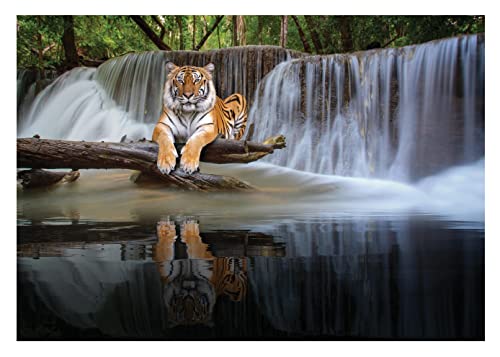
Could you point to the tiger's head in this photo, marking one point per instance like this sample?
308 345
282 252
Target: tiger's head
189 88
189 296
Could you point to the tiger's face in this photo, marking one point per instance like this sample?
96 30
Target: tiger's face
189 88
189 296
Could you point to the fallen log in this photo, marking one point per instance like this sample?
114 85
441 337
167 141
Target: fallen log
40 178
39 153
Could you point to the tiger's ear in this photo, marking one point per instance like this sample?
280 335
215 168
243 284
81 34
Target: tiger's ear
170 67
209 68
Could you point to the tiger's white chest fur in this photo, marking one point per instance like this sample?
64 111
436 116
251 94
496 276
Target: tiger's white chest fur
185 124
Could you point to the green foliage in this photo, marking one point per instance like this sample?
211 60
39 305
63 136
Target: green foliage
102 37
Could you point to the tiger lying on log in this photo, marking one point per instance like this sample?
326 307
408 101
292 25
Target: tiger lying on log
194 114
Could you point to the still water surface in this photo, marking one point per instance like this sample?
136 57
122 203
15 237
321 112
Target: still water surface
309 257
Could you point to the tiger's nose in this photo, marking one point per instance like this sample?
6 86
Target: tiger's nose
188 95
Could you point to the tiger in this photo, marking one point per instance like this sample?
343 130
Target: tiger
193 114
191 286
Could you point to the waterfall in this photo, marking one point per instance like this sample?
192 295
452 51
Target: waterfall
399 113
402 113
124 95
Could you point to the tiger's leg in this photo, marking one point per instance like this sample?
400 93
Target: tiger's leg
237 104
190 159
167 153
190 234
163 251
164 248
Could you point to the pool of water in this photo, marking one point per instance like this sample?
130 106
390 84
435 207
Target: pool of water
307 257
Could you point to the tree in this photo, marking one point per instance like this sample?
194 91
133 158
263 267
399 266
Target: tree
302 35
284 30
242 35
311 26
181 32
235 30
44 42
345 33
68 40
194 32
150 33
209 32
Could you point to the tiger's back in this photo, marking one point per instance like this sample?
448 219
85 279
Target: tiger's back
230 116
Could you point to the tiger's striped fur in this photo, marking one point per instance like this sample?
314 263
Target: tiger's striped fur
195 115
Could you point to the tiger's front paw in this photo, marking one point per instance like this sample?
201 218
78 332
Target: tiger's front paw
165 231
190 228
167 159
190 159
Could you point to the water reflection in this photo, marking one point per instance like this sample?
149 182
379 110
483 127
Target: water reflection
360 278
191 286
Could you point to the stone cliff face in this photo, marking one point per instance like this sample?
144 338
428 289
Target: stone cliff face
393 113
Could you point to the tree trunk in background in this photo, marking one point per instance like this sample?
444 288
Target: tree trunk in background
205 23
284 31
242 31
260 25
302 35
218 37
181 32
346 33
68 40
40 49
311 27
194 32
160 24
150 33
235 30
209 32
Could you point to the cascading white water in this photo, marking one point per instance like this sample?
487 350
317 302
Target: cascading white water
397 113
75 107
124 95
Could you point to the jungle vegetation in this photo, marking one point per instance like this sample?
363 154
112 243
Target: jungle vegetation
59 43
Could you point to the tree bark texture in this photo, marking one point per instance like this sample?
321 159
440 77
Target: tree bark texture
235 30
302 35
311 26
284 31
68 40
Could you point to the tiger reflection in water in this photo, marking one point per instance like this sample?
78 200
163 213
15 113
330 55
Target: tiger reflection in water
191 286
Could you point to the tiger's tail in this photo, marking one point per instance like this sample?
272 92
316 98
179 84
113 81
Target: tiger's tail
236 104
240 122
